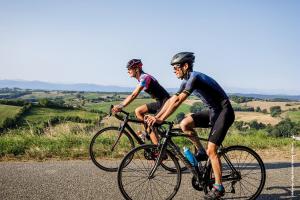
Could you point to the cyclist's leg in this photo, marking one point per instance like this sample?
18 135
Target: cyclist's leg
200 119
140 113
215 161
187 125
154 108
218 132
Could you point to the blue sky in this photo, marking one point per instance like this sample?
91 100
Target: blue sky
244 45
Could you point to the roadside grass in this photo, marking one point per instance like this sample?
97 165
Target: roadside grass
71 141
257 140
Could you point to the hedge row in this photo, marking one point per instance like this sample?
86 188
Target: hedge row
39 128
11 122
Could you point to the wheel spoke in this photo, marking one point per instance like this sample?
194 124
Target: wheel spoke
100 148
249 166
135 182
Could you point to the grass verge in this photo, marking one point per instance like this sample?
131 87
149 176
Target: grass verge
70 141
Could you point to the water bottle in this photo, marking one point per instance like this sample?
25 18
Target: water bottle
190 156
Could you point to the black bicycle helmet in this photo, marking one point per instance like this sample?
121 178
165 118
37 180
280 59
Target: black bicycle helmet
134 63
183 57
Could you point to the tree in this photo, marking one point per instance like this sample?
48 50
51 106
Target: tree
179 117
44 102
265 111
285 128
257 109
239 125
275 111
197 107
255 125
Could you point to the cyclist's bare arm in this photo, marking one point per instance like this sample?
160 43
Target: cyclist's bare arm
164 108
128 99
174 102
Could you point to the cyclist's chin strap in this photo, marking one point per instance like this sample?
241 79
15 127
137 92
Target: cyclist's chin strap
186 74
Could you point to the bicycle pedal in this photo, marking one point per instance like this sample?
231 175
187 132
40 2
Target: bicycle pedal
232 190
196 185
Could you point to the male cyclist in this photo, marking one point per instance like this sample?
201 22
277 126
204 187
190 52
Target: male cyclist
151 86
219 117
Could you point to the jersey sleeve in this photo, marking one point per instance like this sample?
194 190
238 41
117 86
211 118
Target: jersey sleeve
182 86
145 81
188 86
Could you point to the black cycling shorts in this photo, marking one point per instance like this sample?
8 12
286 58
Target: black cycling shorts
155 107
218 121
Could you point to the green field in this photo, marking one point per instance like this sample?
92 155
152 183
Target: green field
43 133
37 114
133 105
104 106
39 95
7 111
294 115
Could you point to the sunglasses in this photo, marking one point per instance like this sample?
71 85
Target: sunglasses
176 67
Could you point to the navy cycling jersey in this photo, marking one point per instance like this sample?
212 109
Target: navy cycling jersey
152 87
204 87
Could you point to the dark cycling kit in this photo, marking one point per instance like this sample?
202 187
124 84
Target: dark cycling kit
157 92
220 115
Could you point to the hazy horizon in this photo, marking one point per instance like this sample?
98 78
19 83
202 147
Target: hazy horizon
227 89
241 44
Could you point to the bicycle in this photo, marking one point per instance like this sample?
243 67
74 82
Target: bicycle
110 144
243 171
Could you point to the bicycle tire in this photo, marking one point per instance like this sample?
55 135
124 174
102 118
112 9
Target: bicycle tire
136 166
234 189
172 168
181 164
100 152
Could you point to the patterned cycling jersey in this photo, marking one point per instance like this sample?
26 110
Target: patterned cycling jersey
204 87
152 87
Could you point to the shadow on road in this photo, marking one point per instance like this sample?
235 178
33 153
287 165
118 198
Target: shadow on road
281 193
279 165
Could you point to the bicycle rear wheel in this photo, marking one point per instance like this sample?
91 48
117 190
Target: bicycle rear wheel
243 173
101 152
133 175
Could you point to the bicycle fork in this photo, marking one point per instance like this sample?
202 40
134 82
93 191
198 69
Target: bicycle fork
162 150
121 129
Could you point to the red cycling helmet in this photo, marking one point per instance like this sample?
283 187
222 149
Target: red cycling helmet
134 63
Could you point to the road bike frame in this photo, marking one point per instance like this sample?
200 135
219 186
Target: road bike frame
124 125
202 177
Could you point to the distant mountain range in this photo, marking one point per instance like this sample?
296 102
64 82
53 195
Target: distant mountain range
110 88
35 85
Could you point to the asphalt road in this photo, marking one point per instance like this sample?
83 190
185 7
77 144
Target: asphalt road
83 180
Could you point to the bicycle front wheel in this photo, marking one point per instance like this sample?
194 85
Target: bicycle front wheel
107 149
243 173
133 175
